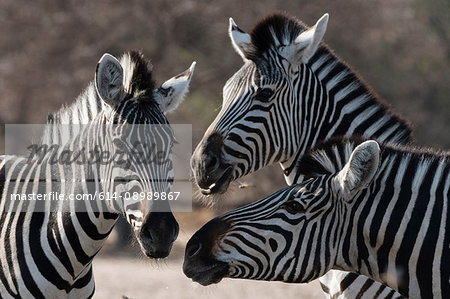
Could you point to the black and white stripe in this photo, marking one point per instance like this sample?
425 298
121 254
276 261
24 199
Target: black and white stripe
47 247
382 213
282 102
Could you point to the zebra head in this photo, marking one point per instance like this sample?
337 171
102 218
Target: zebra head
137 129
291 236
259 122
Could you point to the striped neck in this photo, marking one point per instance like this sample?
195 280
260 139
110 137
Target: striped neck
333 101
394 231
86 223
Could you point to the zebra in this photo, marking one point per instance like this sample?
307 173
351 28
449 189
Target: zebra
47 247
378 210
65 123
291 93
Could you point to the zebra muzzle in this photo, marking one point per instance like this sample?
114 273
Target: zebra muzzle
219 185
199 262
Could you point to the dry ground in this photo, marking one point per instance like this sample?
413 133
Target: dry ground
136 278
128 273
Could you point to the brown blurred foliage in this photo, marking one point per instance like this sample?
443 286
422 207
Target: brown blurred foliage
49 50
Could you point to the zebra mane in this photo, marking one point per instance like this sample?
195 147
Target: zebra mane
81 111
137 75
272 31
329 157
138 82
279 28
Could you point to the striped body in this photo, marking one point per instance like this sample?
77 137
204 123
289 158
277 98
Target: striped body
381 214
48 246
281 103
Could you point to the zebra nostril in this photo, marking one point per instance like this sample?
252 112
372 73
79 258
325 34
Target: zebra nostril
147 234
211 162
194 250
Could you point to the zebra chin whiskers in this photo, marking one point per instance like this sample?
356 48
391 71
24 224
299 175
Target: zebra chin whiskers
208 201
215 200
150 263
154 263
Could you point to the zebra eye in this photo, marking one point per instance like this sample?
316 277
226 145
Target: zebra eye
264 95
293 207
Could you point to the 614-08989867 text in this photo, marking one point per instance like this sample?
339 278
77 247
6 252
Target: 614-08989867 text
173 195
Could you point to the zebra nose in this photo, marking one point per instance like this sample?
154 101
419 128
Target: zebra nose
146 233
158 234
207 154
161 226
155 245
200 246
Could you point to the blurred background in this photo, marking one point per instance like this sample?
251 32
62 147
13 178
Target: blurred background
49 51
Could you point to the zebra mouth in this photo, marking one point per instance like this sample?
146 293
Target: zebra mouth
210 274
221 184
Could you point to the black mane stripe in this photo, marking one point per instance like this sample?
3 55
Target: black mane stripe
142 74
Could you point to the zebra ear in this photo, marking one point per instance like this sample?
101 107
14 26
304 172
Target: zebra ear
240 40
360 170
306 44
109 79
172 92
